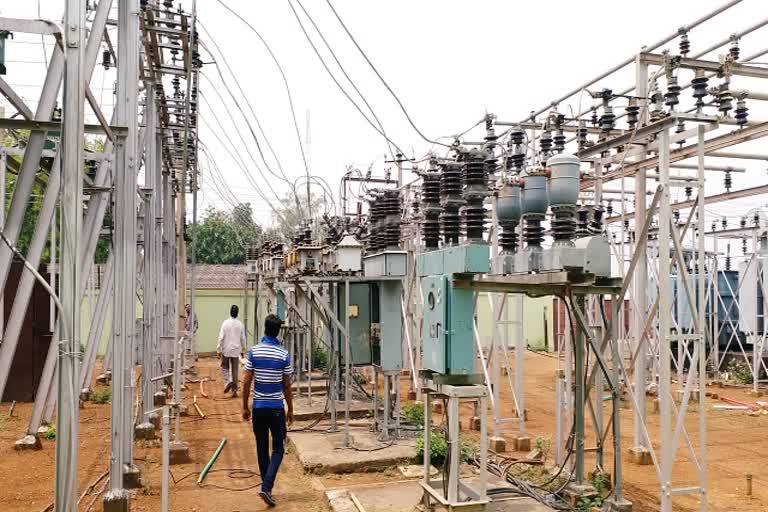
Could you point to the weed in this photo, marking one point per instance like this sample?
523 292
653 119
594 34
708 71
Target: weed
739 371
100 395
544 445
414 413
587 503
50 432
438 448
601 482
319 358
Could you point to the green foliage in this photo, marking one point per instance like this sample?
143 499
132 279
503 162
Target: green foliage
438 448
544 445
50 432
223 236
739 371
587 503
414 413
360 379
601 481
319 358
100 395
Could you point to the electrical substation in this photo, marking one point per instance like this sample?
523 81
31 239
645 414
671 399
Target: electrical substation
409 307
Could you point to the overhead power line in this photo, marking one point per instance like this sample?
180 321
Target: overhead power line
285 81
335 80
400 103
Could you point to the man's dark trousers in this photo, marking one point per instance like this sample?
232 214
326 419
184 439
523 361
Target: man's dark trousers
268 421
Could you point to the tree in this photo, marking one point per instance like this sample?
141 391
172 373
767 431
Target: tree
290 217
222 236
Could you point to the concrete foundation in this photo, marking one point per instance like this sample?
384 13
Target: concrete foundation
115 501
655 406
574 492
615 505
640 455
159 399
303 411
437 407
693 397
756 394
154 419
179 453
411 395
28 442
104 378
85 393
406 496
474 423
132 477
497 444
145 431
323 453
520 443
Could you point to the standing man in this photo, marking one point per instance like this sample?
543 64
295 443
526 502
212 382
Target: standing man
231 346
268 366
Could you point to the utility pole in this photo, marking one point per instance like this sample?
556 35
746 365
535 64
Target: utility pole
72 218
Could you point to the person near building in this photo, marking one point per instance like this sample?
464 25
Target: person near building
230 348
268 368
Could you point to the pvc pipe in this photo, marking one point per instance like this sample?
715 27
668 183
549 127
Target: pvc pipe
211 462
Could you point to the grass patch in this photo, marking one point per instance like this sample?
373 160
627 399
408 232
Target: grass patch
100 395
414 413
439 448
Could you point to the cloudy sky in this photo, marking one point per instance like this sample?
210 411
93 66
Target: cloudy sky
450 62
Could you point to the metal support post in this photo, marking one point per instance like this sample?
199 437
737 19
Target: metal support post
72 218
520 347
579 396
347 365
665 305
701 327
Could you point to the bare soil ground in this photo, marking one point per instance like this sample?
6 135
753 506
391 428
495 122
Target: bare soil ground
737 444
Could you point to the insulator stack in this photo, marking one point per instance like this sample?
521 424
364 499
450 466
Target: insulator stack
724 222
430 196
451 201
508 212
680 129
491 162
596 224
676 216
545 143
517 156
581 135
559 140
724 101
743 222
699 85
734 50
608 119
672 97
582 221
533 231
594 119
391 209
756 219
727 181
684 45
688 191
728 257
563 223
374 240
609 207
632 111
475 192
741 113
744 246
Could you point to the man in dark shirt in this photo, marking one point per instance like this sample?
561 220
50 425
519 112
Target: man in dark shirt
268 367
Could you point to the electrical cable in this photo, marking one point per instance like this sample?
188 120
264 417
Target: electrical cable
240 135
285 81
344 72
407 116
335 80
258 123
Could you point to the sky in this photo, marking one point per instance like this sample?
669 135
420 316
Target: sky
450 62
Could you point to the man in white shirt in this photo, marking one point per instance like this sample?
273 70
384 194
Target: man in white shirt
230 348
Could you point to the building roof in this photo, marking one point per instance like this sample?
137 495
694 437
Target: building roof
217 277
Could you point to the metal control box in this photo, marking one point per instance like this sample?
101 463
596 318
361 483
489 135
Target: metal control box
387 263
448 327
359 323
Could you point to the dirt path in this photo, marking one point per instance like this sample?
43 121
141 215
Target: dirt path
27 478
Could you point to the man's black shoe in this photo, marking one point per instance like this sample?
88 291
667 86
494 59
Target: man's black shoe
268 499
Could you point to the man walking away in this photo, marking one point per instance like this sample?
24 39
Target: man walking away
268 366
231 346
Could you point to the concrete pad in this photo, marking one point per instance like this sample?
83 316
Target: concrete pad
474 423
132 477
179 452
145 431
115 502
340 500
497 444
321 452
28 442
754 393
405 496
302 411
416 471
411 395
640 455
104 378
159 399
521 443
318 386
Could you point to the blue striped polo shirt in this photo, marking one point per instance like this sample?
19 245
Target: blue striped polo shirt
269 362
